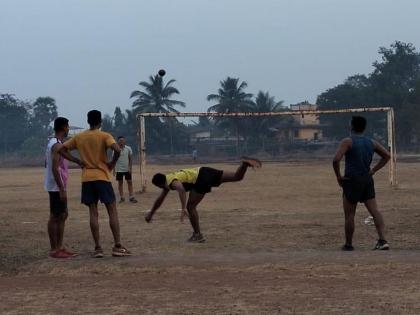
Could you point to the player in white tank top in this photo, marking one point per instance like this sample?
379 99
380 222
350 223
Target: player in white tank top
55 183
50 183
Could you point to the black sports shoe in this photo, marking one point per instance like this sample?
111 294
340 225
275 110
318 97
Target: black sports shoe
347 248
381 245
196 238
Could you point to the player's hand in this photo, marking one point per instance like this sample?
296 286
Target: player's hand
63 195
184 213
148 216
110 165
81 164
341 179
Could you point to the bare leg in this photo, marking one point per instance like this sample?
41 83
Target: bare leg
60 229
372 207
193 200
113 222
121 188
235 176
349 213
240 172
94 223
52 231
130 188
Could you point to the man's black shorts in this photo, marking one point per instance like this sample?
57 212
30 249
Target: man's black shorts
207 178
359 189
97 190
57 206
120 176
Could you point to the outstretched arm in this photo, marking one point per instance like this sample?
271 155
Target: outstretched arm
383 153
344 146
182 197
156 205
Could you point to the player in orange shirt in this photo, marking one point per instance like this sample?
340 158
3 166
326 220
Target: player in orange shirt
92 145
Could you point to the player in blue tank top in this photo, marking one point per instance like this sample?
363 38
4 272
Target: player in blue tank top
357 182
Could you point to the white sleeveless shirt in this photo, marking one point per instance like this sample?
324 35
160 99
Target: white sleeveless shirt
49 182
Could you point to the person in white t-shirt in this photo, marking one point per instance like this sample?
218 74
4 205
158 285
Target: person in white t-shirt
124 168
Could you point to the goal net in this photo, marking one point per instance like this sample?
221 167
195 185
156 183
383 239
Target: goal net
293 135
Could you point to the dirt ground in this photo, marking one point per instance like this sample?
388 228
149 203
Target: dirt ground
272 247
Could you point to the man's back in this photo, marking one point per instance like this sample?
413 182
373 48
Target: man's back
92 146
359 157
185 176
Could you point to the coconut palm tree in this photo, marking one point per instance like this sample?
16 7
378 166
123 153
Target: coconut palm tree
264 103
157 98
232 98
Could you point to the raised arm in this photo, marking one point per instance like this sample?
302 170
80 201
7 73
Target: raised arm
156 205
343 147
383 153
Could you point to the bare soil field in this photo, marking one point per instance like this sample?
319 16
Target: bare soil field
273 247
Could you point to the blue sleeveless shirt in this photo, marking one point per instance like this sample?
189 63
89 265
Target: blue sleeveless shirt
359 157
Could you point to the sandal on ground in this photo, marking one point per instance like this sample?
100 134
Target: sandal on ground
59 254
69 252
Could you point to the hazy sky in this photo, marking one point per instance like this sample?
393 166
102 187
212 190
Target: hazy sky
92 53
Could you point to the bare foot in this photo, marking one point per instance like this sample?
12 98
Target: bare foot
252 162
148 216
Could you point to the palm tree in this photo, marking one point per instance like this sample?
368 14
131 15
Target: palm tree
156 98
264 103
231 98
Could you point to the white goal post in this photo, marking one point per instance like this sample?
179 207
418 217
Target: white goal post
388 110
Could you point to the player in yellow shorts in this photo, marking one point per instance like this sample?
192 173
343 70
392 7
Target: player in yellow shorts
198 182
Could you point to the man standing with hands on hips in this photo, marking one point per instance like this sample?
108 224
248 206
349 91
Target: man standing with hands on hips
93 145
124 169
357 182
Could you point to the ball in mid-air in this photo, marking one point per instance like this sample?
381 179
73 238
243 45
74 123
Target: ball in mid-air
161 72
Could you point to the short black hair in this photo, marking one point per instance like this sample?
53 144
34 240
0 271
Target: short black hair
94 117
121 137
60 123
159 179
358 123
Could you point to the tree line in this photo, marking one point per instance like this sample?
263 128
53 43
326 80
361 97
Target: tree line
25 125
394 81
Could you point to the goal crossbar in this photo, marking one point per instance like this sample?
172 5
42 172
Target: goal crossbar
390 129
